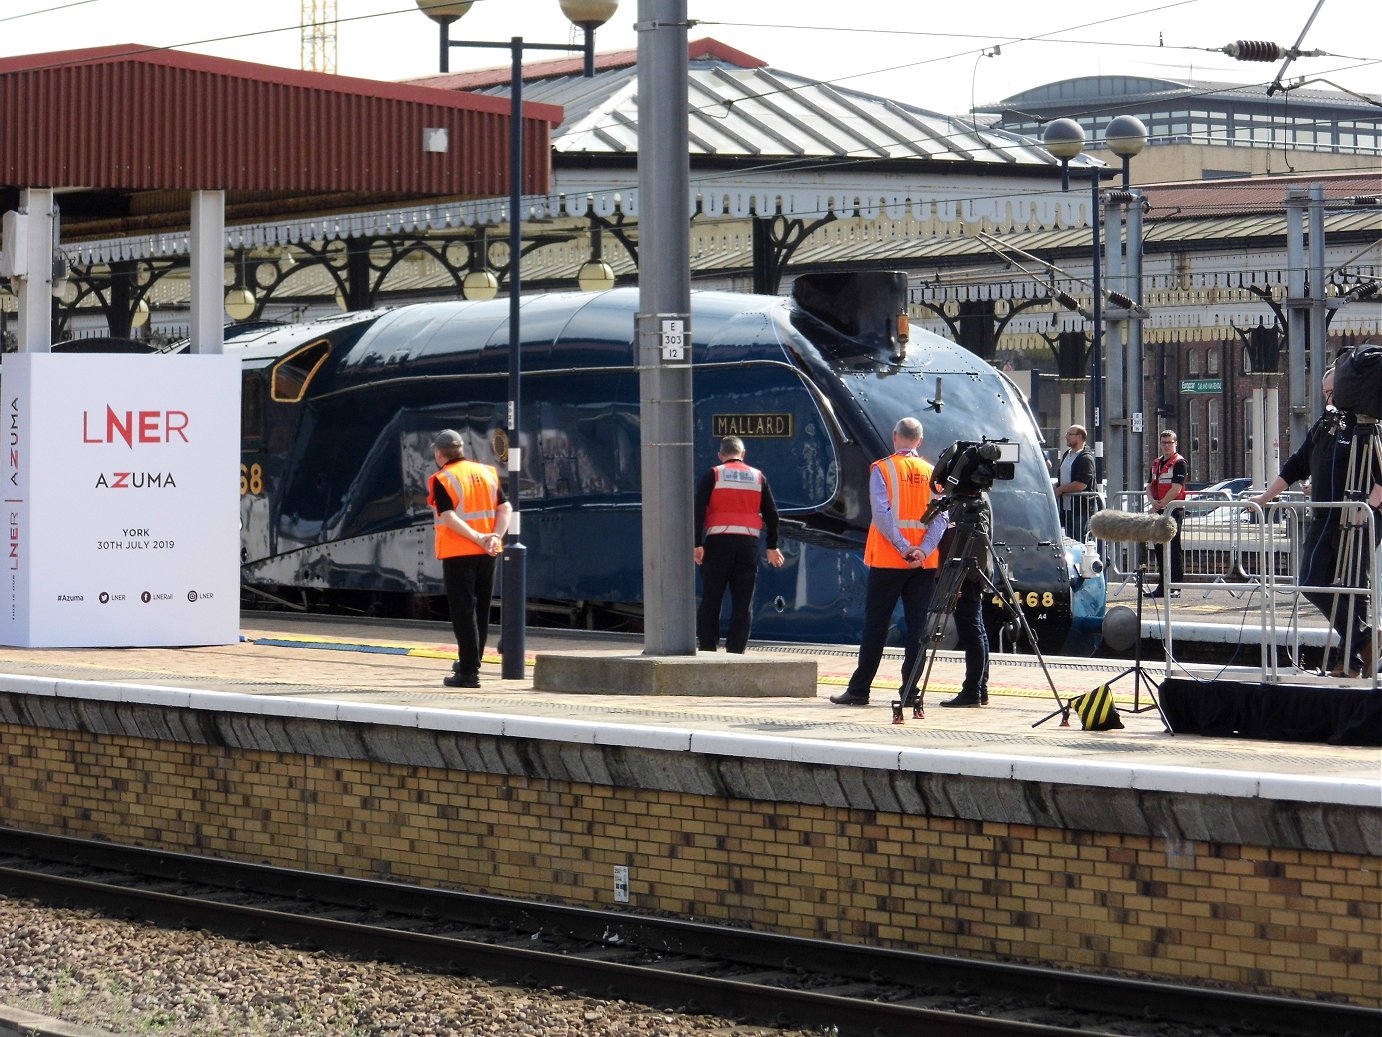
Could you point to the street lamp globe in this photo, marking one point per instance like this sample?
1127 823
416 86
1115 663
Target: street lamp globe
240 304
588 14
595 275
1063 138
479 285
443 12
140 315
1126 136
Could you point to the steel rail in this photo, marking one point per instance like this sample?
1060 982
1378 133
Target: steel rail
906 970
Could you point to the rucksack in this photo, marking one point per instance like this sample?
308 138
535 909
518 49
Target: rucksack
1358 381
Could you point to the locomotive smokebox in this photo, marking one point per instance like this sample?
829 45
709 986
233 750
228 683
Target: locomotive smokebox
861 314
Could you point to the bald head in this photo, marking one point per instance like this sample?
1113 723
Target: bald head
907 433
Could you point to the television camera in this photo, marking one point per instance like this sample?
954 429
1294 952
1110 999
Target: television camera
967 469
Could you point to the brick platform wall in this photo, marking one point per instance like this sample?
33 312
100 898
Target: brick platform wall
1292 921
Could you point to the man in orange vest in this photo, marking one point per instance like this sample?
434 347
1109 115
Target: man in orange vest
472 518
901 557
1166 483
733 505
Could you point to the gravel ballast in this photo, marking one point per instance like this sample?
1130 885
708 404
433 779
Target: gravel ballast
131 978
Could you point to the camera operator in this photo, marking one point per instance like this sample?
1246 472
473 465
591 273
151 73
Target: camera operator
965 471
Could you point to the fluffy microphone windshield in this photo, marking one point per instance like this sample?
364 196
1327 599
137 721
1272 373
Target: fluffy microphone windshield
1133 526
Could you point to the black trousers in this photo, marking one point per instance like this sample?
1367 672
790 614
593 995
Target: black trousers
1177 556
730 563
973 638
885 587
1323 565
469 582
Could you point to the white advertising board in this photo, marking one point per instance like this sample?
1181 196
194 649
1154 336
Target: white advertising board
121 502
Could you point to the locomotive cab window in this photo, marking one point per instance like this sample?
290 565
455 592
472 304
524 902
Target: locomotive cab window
252 408
293 374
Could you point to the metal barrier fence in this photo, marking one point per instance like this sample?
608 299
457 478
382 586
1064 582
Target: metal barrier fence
1076 509
1236 548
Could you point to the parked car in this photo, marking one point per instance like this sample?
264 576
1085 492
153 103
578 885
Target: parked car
1224 489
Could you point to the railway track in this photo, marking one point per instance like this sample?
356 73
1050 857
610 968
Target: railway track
688 966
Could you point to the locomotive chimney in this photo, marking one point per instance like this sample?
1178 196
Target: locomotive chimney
862 312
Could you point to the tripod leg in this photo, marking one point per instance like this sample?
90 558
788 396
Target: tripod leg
943 597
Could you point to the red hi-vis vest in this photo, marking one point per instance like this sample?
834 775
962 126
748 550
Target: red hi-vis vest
1162 470
908 479
475 489
735 500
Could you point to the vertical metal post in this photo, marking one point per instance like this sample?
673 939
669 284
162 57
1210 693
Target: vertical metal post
444 61
1319 329
1137 429
1096 388
1300 385
664 381
1118 460
208 257
35 288
515 582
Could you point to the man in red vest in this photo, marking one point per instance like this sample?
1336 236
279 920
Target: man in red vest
733 505
472 518
901 559
1166 483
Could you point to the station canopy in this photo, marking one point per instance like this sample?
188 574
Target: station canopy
124 134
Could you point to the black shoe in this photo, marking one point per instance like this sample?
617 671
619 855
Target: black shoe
964 699
1154 593
848 698
462 680
983 698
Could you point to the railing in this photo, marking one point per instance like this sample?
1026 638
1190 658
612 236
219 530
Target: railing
1076 509
1234 547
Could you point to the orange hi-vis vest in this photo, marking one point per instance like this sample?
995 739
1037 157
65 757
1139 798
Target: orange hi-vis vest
1162 470
908 479
735 501
475 489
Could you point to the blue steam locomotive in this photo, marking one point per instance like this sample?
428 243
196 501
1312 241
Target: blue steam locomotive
338 416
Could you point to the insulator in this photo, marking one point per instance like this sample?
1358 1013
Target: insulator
1119 197
1362 290
1067 300
1254 50
1121 300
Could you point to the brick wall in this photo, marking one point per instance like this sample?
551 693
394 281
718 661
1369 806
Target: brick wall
1293 921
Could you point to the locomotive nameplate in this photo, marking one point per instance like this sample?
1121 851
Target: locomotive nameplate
752 426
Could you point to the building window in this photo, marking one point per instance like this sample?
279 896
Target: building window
1211 361
1192 362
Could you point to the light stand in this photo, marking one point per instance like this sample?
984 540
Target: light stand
589 15
1134 671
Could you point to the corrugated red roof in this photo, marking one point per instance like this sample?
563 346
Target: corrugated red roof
133 118
1252 194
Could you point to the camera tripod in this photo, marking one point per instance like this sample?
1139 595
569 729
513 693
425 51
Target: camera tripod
971 542
1134 671
1353 559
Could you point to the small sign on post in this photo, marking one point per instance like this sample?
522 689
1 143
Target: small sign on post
673 340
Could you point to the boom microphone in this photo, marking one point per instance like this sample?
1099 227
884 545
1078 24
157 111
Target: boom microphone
1132 526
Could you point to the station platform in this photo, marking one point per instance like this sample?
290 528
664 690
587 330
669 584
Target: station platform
331 745
287 658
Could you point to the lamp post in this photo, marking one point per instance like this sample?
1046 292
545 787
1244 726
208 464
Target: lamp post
1126 137
588 15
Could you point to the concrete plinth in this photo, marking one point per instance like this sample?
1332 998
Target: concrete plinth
607 673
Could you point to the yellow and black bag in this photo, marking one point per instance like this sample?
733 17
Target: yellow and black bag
1096 710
